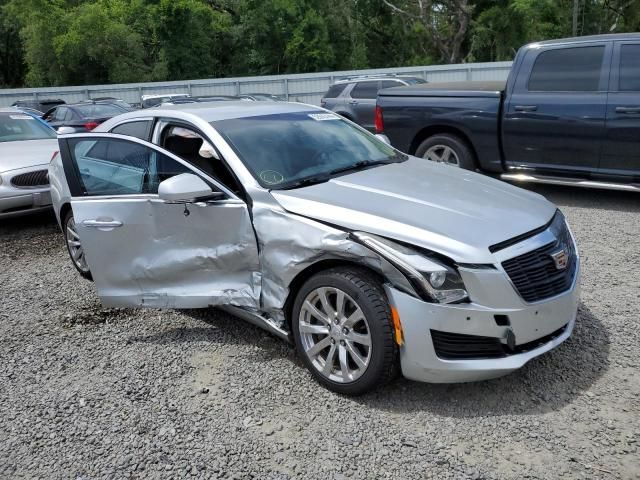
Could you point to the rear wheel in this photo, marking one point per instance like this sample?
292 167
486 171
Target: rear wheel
74 247
343 331
448 149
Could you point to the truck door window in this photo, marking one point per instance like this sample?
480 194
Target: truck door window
630 68
567 70
365 90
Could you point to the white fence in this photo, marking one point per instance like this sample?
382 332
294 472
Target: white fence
305 87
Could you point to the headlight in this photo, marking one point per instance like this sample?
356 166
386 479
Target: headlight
433 280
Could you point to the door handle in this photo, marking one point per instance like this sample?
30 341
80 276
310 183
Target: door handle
525 108
102 223
353 102
627 109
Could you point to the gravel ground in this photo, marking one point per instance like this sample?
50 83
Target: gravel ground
92 393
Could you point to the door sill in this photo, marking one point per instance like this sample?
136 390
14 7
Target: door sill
570 182
258 320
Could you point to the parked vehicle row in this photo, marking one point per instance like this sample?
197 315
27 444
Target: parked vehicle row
26 147
355 97
300 222
568 114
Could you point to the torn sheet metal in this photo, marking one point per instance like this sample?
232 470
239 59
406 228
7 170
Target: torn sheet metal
289 243
160 257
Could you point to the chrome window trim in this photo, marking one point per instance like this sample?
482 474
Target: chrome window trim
115 136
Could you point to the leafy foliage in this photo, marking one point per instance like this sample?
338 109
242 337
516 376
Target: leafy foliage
76 42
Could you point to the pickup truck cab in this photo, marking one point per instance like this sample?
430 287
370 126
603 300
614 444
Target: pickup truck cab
569 113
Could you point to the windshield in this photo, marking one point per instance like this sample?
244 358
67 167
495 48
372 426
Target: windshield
19 126
291 149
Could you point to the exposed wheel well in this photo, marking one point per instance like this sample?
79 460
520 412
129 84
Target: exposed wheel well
437 130
307 273
63 211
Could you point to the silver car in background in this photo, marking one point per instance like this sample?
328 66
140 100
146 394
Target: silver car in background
298 221
26 148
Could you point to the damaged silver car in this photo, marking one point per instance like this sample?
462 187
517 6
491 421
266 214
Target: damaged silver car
297 220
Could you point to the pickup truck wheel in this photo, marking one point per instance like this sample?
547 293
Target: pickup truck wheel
343 331
448 149
74 247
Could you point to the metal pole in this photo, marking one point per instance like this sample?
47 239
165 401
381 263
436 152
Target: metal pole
286 88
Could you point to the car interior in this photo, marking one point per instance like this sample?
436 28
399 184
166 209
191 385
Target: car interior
190 146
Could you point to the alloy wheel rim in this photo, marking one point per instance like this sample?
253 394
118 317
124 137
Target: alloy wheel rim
335 335
75 247
442 154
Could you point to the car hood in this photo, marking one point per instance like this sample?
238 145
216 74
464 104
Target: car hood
447 210
26 153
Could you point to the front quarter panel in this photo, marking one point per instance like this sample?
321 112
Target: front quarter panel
60 193
290 243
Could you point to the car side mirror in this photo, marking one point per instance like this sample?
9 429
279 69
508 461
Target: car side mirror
186 188
65 130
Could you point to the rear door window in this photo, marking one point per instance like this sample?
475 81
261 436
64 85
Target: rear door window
630 68
138 129
574 69
391 83
335 90
365 90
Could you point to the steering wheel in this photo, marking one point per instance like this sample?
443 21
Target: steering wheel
328 153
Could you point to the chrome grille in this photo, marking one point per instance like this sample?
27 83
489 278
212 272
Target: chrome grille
38 178
535 275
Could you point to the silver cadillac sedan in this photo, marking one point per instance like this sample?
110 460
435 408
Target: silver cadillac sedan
370 261
26 147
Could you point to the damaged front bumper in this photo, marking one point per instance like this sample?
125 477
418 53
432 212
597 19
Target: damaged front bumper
472 341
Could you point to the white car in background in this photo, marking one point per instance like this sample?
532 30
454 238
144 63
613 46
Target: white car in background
27 146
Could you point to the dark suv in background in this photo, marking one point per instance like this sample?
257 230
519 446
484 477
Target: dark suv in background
355 97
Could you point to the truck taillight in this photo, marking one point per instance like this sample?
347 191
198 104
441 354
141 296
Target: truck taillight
90 125
379 121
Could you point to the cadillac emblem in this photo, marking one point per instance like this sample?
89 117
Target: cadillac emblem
560 259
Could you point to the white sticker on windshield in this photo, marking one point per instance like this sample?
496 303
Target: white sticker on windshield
323 116
21 117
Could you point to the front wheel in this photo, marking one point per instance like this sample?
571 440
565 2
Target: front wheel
74 247
343 330
448 149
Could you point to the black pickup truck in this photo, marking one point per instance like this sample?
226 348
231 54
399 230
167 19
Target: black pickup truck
569 113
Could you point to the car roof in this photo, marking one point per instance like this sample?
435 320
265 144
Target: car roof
215 111
587 38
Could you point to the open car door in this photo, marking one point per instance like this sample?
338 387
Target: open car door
149 252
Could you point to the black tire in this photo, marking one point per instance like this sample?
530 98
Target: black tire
366 290
68 218
465 156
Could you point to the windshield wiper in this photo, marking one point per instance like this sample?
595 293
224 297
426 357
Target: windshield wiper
305 182
358 165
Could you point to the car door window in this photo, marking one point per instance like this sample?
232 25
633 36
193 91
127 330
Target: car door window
187 144
390 83
575 69
59 114
68 116
365 90
137 129
630 68
118 167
